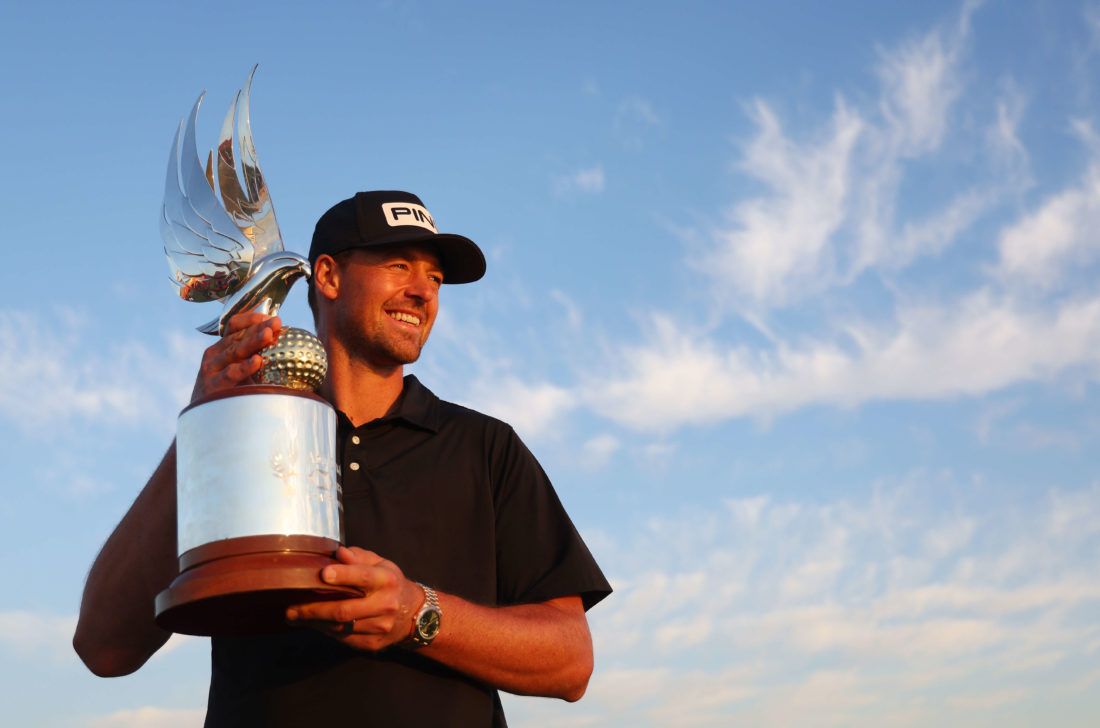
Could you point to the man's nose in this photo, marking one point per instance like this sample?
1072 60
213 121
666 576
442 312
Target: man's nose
422 286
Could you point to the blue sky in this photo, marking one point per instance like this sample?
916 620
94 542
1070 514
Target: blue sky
797 306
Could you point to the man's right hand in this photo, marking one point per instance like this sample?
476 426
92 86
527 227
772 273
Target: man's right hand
235 358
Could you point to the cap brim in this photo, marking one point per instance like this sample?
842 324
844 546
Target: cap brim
463 261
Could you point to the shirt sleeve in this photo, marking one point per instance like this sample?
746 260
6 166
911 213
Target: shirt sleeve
540 555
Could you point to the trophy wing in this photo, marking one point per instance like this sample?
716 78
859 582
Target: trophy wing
243 189
208 254
216 229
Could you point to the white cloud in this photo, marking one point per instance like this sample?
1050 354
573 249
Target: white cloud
1090 13
973 346
830 696
589 180
989 420
833 207
1003 137
1033 437
1057 237
777 246
573 315
919 88
36 635
598 450
175 642
935 233
634 118
531 408
987 700
53 374
640 109
150 717
950 538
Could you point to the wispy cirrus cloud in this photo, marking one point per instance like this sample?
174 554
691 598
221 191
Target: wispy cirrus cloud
855 611
598 450
920 85
970 347
777 247
1059 235
54 374
634 118
531 408
588 180
37 635
832 208
149 717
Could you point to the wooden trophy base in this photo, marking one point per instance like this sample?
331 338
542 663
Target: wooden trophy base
244 585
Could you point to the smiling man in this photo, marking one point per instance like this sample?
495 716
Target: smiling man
474 578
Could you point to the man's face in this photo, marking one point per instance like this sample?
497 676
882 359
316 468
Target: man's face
387 303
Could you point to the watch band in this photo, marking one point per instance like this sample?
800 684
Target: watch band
430 597
427 622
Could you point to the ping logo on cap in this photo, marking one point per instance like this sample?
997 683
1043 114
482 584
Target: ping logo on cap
407 213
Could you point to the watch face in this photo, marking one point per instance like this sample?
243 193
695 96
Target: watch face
428 626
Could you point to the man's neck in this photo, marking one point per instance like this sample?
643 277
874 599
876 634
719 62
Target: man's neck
360 391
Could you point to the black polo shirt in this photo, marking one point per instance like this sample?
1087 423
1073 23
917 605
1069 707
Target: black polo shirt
456 500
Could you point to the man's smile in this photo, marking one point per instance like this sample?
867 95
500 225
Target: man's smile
404 317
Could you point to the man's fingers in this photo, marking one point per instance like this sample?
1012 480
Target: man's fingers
361 611
367 578
234 358
379 588
381 617
241 321
239 345
238 372
356 555
347 628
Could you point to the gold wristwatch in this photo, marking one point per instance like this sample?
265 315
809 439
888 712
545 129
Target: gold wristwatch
427 622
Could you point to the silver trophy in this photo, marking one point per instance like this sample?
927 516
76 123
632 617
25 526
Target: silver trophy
258 502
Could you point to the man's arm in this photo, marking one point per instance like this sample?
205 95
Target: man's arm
115 633
531 649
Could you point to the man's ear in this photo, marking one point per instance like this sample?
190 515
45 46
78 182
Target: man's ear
326 277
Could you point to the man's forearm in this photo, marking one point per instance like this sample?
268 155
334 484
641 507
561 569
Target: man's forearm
115 633
530 649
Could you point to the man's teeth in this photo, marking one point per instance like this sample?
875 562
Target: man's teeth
406 317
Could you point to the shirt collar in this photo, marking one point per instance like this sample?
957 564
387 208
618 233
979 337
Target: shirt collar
416 406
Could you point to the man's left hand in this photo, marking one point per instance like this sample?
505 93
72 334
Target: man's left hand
381 617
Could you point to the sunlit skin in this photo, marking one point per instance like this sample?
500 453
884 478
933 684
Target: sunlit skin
385 302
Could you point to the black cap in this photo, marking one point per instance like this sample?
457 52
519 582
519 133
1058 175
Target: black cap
390 217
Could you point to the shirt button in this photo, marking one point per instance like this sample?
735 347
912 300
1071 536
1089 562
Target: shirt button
355 439
353 466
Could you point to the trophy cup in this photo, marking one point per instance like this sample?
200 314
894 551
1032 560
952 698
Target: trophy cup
258 503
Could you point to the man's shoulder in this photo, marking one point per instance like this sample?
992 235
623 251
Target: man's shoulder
450 413
459 411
